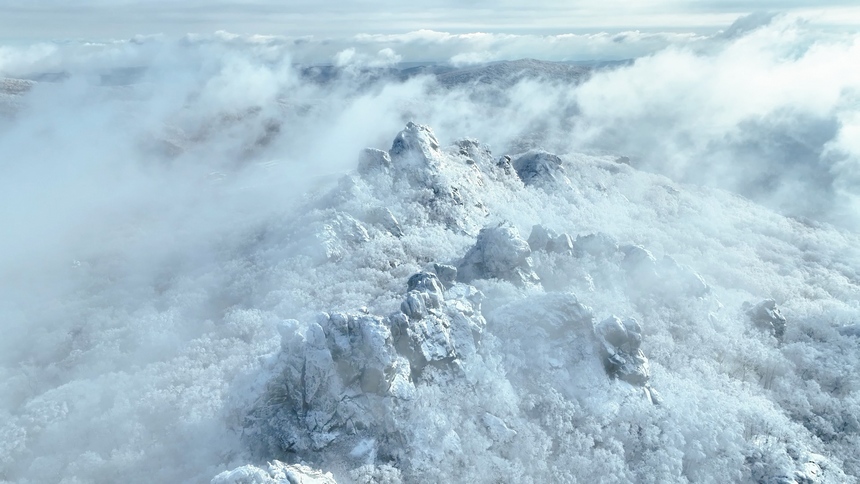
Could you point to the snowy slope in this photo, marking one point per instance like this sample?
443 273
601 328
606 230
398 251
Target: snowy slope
533 399
204 276
526 394
533 402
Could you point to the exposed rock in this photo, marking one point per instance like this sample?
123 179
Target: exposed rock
506 165
667 278
496 427
447 274
767 316
620 342
428 283
333 373
541 237
562 244
348 372
499 253
277 473
475 152
596 245
430 329
373 161
331 239
447 190
415 154
539 168
383 217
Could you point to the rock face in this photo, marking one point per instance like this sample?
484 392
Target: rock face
385 398
475 152
277 473
384 218
561 345
666 278
595 245
416 155
766 315
330 239
498 253
432 330
346 373
542 238
620 341
540 168
446 185
496 427
372 161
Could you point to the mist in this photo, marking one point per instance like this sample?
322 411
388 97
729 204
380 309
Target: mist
155 194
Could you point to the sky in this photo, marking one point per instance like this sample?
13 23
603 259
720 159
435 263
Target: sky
41 20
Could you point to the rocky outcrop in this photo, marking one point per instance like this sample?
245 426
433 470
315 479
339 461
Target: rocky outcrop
766 315
620 346
447 274
415 155
597 245
276 472
323 364
384 218
540 168
332 238
430 329
372 161
475 153
446 189
667 278
497 428
348 372
499 253
542 238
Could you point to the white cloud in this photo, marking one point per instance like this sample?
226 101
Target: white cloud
142 220
709 114
334 18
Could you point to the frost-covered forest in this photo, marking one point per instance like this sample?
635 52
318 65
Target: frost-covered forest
220 263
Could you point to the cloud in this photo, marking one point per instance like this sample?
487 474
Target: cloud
756 114
421 45
38 21
136 192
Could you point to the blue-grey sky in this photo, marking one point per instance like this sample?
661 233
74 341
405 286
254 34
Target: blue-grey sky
34 20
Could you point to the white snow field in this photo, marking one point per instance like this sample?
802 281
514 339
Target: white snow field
206 276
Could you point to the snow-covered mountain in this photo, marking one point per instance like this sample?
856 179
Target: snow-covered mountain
446 313
226 271
520 326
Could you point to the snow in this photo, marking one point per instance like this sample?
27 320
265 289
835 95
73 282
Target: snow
272 305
